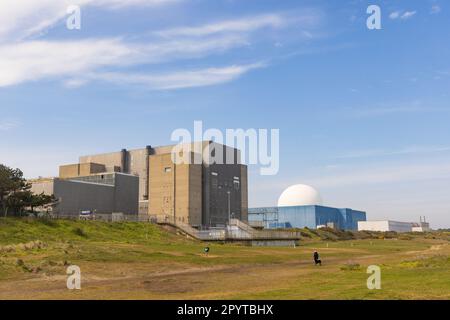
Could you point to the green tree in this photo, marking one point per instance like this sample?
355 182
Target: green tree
16 195
40 200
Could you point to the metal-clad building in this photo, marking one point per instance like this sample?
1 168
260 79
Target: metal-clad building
101 193
311 216
385 226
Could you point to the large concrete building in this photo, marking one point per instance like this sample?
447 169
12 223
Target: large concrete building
208 190
104 193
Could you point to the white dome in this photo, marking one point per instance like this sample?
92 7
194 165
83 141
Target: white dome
299 195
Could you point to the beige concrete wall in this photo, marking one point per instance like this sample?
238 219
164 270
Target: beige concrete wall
87 169
108 159
45 186
175 190
195 195
69 171
162 190
137 164
80 170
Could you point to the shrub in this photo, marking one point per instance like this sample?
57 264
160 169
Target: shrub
80 232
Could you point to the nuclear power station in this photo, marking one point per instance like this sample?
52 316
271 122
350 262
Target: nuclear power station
198 193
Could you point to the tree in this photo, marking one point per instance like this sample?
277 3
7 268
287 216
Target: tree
16 195
40 200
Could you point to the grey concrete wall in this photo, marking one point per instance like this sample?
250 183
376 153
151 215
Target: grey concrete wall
215 187
75 196
126 194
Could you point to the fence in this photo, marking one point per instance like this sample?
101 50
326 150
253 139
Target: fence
237 230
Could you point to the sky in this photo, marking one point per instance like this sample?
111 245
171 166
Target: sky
363 114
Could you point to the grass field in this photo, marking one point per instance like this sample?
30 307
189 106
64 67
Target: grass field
144 261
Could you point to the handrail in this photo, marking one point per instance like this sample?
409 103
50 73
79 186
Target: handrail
245 232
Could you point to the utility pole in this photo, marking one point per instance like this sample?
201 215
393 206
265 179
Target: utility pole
229 207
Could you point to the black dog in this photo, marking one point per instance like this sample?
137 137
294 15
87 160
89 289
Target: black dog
317 261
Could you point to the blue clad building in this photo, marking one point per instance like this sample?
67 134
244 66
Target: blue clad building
310 216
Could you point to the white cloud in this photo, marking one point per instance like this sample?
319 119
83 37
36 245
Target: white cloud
394 15
40 59
79 61
35 60
246 24
6 125
435 9
408 14
179 79
23 18
399 15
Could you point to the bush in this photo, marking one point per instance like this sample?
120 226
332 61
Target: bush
80 232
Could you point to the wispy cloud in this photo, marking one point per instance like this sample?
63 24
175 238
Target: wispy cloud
77 62
35 60
408 14
244 24
403 15
24 18
6 125
435 9
394 15
179 79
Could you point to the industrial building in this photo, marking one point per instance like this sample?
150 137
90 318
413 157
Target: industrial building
397 226
96 193
198 193
300 206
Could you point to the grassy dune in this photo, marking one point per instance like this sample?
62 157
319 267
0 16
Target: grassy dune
144 261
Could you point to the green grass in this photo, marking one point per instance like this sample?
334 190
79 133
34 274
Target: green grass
154 263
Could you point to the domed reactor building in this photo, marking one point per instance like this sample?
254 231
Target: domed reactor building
300 206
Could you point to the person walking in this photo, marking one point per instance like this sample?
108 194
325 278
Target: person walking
317 260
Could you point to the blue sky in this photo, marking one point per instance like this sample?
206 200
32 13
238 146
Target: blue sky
363 114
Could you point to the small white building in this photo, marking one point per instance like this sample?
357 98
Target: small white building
421 227
385 225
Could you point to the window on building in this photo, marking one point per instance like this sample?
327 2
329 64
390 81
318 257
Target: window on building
167 169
